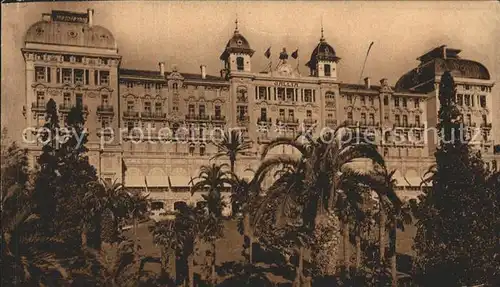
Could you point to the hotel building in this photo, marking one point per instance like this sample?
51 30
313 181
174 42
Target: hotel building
75 62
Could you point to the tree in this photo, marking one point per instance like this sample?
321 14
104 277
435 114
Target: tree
456 238
108 204
325 171
232 145
212 180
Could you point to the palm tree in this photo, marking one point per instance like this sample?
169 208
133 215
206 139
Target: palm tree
231 146
25 259
212 180
108 201
390 205
325 173
138 207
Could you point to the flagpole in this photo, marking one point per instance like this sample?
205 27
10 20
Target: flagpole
364 63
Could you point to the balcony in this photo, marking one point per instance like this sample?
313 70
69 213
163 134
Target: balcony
243 119
197 118
409 126
264 121
66 107
105 110
218 118
291 121
309 121
130 114
153 115
486 125
331 122
38 107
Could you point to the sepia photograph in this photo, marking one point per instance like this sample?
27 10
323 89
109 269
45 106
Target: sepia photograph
250 143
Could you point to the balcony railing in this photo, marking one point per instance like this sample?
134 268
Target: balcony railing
105 109
218 118
288 120
38 106
308 121
243 119
486 125
194 117
264 121
66 107
331 122
153 115
131 114
408 125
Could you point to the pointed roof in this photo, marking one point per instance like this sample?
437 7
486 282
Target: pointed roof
237 44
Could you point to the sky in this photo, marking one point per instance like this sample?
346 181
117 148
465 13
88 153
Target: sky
189 34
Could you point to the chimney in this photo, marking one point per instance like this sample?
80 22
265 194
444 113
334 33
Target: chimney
203 69
367 83
91 16
162 68
46 17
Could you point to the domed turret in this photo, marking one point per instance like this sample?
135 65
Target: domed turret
323 60
237 54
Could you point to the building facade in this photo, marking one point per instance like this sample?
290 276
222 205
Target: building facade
154 126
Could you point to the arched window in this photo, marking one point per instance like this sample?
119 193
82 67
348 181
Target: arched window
179 205
386 101
240 63
175 86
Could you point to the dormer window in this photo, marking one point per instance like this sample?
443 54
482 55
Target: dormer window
240 63
328 71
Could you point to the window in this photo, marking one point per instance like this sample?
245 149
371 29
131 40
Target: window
289 94
147 107
485 120
469 119
307 96
405 120
404 102
240 63
158 87
397 119
386 101
242 112
40 98
396 102
349 99
372 119
191 109
309 114
191 148
202 150
79 100
40 74
482 101
467 100
175 86
363 100
460 99
130 106
86 77
363 118
201 110
416 103
349 116
147 86
67 75
66 99
217 111
262 93
78 76
386 151
387 136
290 114
330 115
282 113
104 78
372 102
417 120
158 108
281 94
328 71
104 123
263 114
